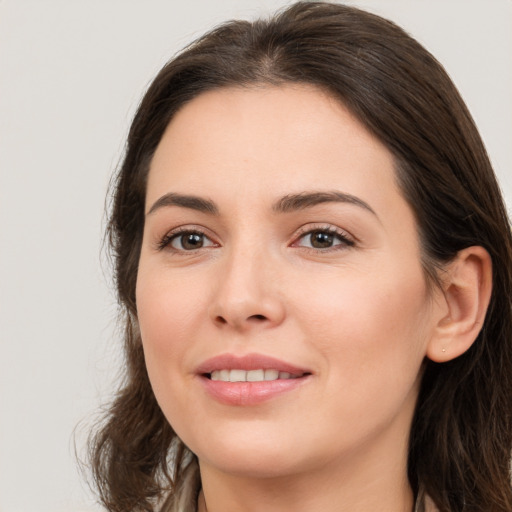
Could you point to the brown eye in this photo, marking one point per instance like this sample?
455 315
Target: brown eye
189 241
324 239
321 239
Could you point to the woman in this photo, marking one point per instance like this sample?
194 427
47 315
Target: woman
314 259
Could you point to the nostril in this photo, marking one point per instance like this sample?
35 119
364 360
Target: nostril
257 317
241 321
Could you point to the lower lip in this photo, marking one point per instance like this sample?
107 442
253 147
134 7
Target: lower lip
250 393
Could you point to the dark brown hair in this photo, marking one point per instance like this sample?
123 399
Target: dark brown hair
461 435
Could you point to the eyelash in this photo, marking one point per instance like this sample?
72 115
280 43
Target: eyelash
345 240
343 237
169 238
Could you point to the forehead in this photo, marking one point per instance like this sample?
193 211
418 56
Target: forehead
268 138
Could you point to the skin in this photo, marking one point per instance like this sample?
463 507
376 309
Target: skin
359 315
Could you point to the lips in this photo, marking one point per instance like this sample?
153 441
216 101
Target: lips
250 379
249 362
235 375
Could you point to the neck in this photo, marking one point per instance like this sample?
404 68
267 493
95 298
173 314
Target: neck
351 487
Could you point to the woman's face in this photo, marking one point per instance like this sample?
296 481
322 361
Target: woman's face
277 242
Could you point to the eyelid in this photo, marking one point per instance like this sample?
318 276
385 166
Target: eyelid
164 242
347 238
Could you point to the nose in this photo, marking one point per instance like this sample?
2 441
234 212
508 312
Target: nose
247 295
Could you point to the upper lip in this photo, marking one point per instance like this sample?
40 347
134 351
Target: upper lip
248 362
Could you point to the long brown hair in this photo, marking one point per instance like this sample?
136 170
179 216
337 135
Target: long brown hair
461 436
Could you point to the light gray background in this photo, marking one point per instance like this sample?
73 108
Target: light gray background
71 75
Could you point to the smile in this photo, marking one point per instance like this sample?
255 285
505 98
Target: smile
250 379
250 376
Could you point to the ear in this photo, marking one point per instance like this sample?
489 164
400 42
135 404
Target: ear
465 295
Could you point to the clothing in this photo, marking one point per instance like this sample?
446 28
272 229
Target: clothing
424 503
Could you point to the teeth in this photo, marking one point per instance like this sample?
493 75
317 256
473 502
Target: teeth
255 376
237 376
271 374
250 376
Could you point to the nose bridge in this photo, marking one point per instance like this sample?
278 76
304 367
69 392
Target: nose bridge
246 294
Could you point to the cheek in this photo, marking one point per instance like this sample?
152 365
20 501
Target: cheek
166 307
369 327
167 318
370 335
167 313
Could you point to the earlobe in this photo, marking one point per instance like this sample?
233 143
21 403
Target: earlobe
466 292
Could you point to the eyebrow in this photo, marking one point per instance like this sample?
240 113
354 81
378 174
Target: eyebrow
286 204
185 201
294 202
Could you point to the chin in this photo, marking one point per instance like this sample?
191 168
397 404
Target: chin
254 466
247 456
